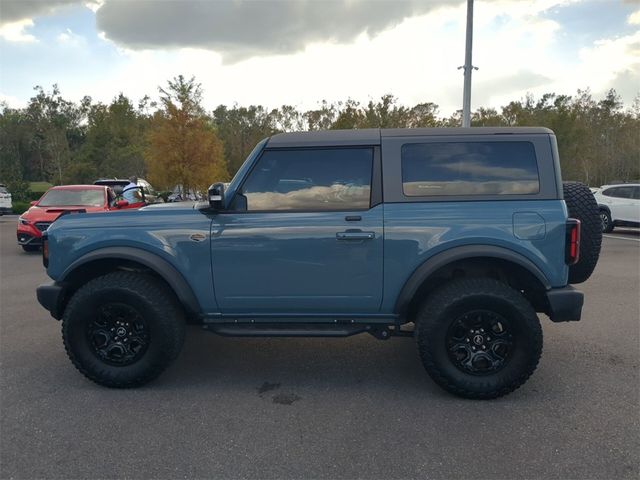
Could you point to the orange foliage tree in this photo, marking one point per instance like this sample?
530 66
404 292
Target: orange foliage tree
183 147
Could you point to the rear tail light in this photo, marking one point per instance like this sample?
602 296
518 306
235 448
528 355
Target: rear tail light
572 245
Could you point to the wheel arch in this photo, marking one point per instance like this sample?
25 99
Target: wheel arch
105 260
472 260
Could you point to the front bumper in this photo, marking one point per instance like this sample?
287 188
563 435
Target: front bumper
29 235
28 239
51 296
565 304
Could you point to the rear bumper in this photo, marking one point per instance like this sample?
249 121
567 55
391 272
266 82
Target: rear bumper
565 304
51 296
6 210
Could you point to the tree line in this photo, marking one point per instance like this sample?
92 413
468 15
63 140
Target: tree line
176 141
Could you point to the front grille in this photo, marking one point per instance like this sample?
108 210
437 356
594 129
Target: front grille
42 226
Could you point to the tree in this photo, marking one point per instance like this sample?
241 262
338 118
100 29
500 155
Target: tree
183 147
240 128
115 142
13 139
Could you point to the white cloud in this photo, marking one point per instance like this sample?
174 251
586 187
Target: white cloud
11 101
15 31
634 18
517 49
69 38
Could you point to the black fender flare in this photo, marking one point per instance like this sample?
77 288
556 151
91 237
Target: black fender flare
152 261
442 259
605 208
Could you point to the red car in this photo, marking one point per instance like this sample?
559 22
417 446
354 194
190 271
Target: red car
66 198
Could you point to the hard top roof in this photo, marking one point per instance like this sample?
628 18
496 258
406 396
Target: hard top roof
372 136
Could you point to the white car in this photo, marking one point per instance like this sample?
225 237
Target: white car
619 205
5 201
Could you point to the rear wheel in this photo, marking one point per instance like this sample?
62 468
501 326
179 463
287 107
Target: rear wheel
582 205
607 223
123 329
478 338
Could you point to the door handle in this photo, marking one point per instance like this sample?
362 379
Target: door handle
357 235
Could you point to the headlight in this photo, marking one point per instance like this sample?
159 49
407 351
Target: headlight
22 221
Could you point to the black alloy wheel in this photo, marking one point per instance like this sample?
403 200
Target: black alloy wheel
480 342
118 335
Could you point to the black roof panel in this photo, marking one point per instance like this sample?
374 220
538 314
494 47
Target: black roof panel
372 136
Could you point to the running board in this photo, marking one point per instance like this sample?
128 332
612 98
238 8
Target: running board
303 330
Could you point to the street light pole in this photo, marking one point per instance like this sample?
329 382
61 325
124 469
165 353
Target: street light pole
468 68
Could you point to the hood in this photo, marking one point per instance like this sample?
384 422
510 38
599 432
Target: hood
170 206
49 214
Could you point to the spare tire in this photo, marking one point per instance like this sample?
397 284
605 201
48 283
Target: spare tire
583 206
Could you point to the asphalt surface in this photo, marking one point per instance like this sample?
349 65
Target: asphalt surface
322 408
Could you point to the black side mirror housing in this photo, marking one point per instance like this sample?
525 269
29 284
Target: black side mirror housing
216 196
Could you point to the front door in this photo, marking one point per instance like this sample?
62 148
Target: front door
302 236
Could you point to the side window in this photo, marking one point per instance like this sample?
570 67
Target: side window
636 193
310 180
619 192
469 168
625 192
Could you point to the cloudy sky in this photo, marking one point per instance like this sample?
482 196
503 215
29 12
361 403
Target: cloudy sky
299 52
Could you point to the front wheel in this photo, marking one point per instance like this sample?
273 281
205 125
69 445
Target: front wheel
478 338
123 329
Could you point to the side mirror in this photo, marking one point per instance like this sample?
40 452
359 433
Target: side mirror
216 196
33 202
121 203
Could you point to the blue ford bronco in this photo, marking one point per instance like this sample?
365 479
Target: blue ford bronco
456 237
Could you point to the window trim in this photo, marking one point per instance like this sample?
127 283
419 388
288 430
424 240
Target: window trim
375 191
452 195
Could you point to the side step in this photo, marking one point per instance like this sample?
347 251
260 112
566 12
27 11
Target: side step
303 330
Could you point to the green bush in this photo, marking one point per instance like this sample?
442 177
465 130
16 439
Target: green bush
20 207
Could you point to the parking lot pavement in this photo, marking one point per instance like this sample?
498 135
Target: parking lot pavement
322 408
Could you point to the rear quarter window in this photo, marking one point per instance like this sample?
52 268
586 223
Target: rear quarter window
469 168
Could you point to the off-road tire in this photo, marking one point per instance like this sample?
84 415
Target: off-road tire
607 221
30 248
582 205
449 303
155 303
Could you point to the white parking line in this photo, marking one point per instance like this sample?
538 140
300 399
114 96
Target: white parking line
622 238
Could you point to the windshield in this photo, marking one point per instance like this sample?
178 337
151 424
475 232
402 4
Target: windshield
3 190
68 198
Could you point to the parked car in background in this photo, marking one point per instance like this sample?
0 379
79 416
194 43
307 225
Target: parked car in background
147 192
179 195
60 200
6 206
619 205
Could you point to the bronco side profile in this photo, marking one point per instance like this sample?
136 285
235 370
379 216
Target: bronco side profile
456 237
